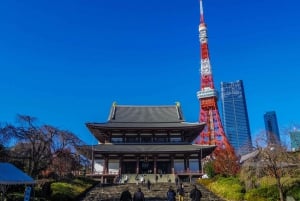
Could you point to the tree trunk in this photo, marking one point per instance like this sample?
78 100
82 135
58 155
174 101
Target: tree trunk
280 190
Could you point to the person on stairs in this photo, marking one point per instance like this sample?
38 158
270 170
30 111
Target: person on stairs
126 195
138 195
180 192
149 185
171 194
195 194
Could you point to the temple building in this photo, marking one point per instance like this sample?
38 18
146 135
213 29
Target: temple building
146 140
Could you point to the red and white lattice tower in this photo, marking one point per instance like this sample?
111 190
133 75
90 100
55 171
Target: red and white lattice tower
213 133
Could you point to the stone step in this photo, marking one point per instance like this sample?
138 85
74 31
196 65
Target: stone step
157 192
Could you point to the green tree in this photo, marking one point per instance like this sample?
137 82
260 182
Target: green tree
209 169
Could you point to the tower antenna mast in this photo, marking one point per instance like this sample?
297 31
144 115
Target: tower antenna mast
201 12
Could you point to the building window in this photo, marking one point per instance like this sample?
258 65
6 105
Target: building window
161 139
116 140
132 139
146 139
175 139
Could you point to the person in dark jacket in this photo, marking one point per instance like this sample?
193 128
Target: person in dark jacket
126 195
148 185
195 194
138 195
171 194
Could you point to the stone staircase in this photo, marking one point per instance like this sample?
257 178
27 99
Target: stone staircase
157 193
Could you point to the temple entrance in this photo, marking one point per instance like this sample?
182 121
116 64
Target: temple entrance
146 167
129 167
164 167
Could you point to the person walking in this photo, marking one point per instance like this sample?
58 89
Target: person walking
148 185
171 194
138 195
195 194
180 192
126 195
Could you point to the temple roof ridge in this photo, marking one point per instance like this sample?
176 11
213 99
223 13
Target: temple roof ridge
146 113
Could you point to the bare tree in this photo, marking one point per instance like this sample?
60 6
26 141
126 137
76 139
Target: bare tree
36 144
4 141
277 163
66 158
66 162
3 153
272 160
4 137
33 146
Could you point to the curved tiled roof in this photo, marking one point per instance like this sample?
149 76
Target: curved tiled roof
126 118
124 113
191 130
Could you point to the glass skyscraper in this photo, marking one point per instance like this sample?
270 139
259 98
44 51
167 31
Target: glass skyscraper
295 140
272 130
235 116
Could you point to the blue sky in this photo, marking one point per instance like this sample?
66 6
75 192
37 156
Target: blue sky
66 61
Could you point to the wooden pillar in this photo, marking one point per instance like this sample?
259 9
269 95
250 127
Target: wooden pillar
93 162
106 165
187 159
182 136
137 164
155 165
172 165
139 137
123 138
200 162
168 140
120 164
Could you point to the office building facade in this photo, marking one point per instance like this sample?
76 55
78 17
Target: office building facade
235 116
272 130
295 140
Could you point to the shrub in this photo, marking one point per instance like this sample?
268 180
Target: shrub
293 190
62 197
69 190
269 193
205 182
209 169
62 190
228 187
46 189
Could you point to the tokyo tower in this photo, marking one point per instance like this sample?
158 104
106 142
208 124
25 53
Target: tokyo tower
213 133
